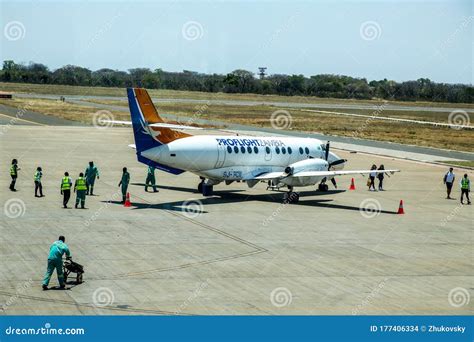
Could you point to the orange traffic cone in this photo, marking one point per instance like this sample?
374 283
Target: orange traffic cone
400 208
352 187
127 201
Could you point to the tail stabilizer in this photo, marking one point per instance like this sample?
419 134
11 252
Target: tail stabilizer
143 113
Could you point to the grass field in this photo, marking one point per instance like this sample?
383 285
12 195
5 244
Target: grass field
448 138
175 94
462 163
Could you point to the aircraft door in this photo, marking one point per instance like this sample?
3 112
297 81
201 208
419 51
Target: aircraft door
221 152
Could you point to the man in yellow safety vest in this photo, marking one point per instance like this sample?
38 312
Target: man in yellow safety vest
80 189
465 188
66 184
14 173
38 185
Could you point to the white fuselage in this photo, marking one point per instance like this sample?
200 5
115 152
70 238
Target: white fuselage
234 158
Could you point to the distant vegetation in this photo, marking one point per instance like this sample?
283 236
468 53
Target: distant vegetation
242 81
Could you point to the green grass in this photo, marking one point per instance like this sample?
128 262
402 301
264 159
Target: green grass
460 163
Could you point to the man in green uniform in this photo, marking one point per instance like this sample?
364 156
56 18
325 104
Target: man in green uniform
124 183
66 184
465 188
91 172
150 179
38 185
14 173
80 189
55 261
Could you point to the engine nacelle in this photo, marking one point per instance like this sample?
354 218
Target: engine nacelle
307 165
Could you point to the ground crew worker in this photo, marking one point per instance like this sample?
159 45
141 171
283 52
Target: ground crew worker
14 173
80 189
66 184
90 174
124 183
38 185
55 261
465 188
150 179
449 181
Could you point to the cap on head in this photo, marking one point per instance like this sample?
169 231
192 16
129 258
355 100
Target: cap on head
62 238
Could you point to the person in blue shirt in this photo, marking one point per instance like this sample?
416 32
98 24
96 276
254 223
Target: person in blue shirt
55 261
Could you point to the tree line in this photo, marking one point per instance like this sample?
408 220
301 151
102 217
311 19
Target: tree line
241 81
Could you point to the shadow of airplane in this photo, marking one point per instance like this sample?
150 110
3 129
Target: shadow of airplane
196 205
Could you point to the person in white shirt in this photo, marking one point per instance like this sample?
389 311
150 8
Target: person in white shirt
449 181
372 176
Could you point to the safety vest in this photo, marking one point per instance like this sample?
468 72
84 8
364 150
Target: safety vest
13 170
65 183
37 176
81 184
465 183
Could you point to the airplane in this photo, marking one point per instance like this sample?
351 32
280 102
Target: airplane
282 161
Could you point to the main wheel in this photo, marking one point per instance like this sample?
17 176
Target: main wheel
323 187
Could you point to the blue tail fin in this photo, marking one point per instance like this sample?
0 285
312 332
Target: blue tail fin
143 112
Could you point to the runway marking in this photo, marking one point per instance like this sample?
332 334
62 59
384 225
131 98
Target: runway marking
15 118
375 117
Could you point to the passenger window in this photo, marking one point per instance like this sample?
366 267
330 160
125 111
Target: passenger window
255 149
289 150
277 150
236 149
267 149
249 149
229 149
242 149
301 150
306 150
283 150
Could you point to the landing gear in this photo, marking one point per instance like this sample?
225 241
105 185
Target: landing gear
291 196
200 185
205 189
323 187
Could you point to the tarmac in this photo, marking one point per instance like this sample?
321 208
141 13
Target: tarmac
239 252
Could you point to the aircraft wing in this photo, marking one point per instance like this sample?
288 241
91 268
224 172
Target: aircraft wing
280 175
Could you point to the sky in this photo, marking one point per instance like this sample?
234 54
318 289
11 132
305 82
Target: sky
398 40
